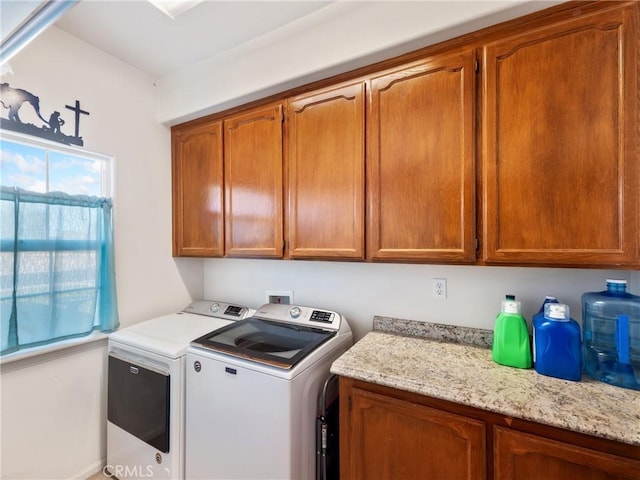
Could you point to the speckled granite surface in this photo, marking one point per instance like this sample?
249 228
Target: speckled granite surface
435 331
466 374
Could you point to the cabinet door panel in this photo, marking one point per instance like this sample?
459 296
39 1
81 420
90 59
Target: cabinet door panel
421 168
197 191
391 438
326 174
520 455
561 145
253 183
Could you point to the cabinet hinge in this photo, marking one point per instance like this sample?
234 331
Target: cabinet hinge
477 244
476 65
349 403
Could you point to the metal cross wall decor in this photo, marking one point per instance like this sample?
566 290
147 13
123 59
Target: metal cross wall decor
13 99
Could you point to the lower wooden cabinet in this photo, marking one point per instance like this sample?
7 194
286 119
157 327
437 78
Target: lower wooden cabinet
387 438
392 434
520 455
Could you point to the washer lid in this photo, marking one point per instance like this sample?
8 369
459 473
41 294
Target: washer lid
168 335
280 344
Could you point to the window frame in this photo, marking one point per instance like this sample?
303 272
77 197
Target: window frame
37 353
107 161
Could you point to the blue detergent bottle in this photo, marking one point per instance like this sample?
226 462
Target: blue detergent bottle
538 318
556 339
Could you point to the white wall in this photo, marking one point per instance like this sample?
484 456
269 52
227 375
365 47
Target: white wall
54 415
53 412
122 102
336 39
332 40
361 290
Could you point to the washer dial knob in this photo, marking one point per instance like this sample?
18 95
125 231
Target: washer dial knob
214 307
295 312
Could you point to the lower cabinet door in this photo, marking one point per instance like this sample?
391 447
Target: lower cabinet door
520 455
396 439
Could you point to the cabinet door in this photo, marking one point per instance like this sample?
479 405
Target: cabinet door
561 143
421 161
326 174
394 439
520 455
253 183
198 225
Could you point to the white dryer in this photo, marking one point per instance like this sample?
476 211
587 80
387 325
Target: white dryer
253 391
146 389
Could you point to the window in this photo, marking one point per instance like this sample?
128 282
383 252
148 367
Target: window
56 245
39 168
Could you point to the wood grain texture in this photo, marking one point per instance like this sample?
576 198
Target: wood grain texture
253 184
421 161
520 455
390 438
382 430
197 178
560 141
552 167
326 173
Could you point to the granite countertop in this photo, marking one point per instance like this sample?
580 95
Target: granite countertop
441 363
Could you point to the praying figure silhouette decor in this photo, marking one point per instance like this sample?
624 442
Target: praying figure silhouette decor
14 100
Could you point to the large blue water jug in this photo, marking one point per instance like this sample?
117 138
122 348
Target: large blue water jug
611 347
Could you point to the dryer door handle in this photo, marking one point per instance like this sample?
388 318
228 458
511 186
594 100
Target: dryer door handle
137 362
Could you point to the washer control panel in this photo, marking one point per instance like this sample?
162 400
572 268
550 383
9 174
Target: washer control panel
311 317
212 308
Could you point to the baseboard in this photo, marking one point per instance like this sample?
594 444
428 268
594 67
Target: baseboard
91 470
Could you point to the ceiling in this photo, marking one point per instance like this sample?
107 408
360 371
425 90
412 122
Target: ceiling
139 34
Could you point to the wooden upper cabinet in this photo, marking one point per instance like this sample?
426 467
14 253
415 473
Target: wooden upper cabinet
520 455
198 225
561 147
253 169
421 161
326 173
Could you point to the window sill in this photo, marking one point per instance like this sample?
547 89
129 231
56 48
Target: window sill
30 356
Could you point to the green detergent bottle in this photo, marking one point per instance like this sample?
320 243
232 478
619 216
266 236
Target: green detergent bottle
511 344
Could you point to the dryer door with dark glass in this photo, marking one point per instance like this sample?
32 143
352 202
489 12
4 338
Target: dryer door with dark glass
138 400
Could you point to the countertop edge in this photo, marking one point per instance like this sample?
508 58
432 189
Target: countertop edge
401 361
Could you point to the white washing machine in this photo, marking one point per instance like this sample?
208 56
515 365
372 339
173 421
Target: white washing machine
253 391
145 427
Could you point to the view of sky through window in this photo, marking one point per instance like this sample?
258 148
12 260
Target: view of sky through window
43 169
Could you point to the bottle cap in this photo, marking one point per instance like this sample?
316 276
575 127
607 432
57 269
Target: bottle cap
616 281
510 306
558 312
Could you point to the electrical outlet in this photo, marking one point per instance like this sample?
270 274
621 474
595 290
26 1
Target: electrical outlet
439 288
285 298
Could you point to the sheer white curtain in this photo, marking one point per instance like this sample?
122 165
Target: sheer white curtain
57 258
